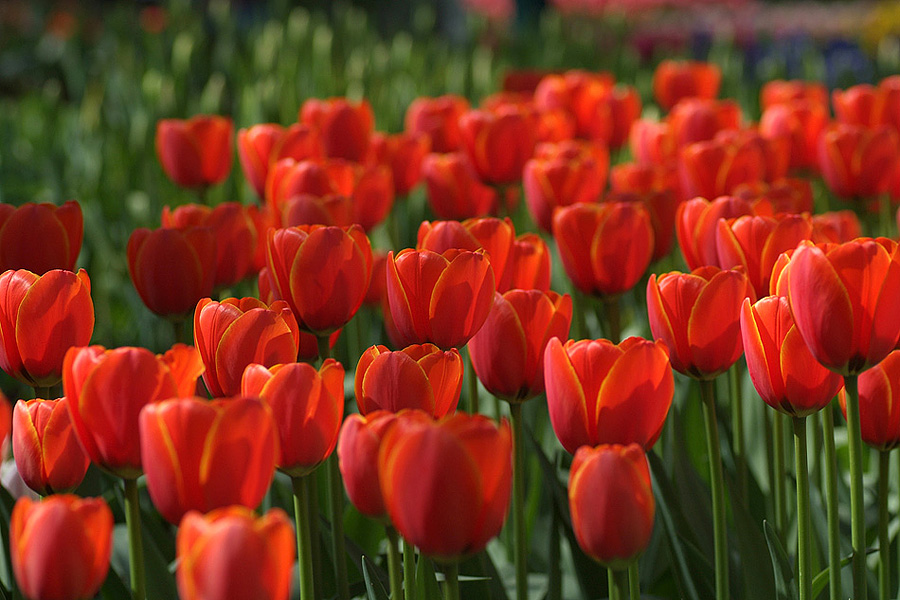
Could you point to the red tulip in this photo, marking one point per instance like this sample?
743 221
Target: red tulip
867 105
696 224
439 298
528 266
495 236
59 228
106 389
446 485
260 146
588 98
498 145
403 153
716 167
48 456
697 315
232 553
602 393
357 449
196 152
454 191
802 123
653 143
420 376
237 332
438 118
700 119
858 162
675 80
878 413
788 195
344 127
611 502
60 547
784 92
308 406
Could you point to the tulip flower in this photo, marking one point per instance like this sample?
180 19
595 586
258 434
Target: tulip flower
232 553
869 106
106 389
507 352
586 96
196 152
446 485
421 376
60 547
201 455
41 317
438 118
439 298
260 146
675 80
700 119
322 272
454 190
495 236
716 167
528 265
857 162
60 229
653 143
172 269
611 502
696 224
802 123
47 453
879 414
344 127
308 406
357 449
779 91
602 393
403 153
237 332
498 145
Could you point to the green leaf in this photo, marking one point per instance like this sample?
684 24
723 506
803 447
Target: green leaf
374 587
751 545
426 583
820 581
781 564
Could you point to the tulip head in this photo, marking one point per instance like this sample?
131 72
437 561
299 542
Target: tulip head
60 229
196 152
357 449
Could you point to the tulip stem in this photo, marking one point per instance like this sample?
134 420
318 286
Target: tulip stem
336 497
831 496
803 525
304 545
857 501
451 581
324 348
312 491
613 318
409 570
394 563
737 427
780 473
618 584
519 533
44 393
178 329
884 540
720 534
634 580
554 578
135 544
473 386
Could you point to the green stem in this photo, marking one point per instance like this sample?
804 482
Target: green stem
394 563
473 385
336 514
737 427
324 347
634 580
831 497
611 584
803 525
619 584
451 581
409 570
135 544
521 543
857 501
312 488
613 319
44 393
884 540
554 578
720 534
304 545
780 473
579 325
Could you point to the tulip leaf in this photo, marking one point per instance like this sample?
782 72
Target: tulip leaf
426 582
374 588
820 581
781 564
6 506
114 587
751 545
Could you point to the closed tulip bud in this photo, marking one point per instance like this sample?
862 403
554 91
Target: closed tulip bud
495 236
605 248
237 332
857 162
836 226
106 389
602 393
716 167
262 145
344 127
879 415
201 455
322 272
421 376
41 317
438 118
357 449
172 269
558 181
289 178
498 144
59 228
863 104
780 91
439 298
528 266
196 152
306 209
700 119
403 153
308 406
446 485
232 553
676 80
653 143
791 195
696 224
454 190
611 502
802 123
60 547
698 315
47 453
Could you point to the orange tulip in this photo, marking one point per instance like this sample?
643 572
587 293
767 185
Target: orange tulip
585 96
357 449
196 152
201 455
260 146
322 272
47 453
59 228
528 265
308 406
653 143
657 188
446 485
696 224
439 298
344 127
172 269
700 119
454 190
403 153
605 248
611 502
716 167
879 415
232 553
602 393
697 315
498 144
675 80
857 162
420 376
495 236
41 317
802 123
438 118
106 389
784 92
869 106
843 298
60 547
